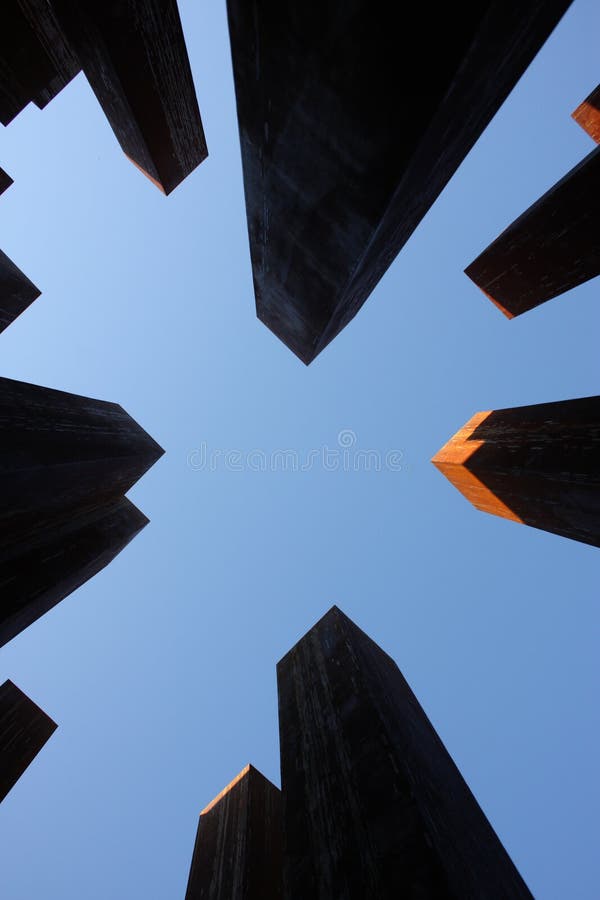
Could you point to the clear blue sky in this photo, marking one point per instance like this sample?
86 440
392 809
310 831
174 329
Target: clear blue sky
161 670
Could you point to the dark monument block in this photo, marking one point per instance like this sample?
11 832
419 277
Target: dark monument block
66 462
24 729
5 181
59 555
549 249
538 465
17 292
134 56
587 114
237 854
373 805
347 141
35 60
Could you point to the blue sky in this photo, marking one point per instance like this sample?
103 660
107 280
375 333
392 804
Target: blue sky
161 670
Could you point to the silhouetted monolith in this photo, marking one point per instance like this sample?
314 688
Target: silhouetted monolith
24 729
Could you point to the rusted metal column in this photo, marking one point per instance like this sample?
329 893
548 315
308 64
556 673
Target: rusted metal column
587 114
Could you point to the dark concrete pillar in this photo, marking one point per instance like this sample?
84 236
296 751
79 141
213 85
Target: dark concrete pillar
17 292
373 805
24 729
5 181
35 60
237 855
134 56
587 115
538 465
549 249
346 141
66 462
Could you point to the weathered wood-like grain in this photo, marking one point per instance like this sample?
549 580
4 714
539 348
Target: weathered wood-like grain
17 292
24 729
549 249
134 56
373 805
346 142
538 465
66 462
237 854
587 115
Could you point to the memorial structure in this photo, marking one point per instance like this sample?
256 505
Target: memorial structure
24 729
537 465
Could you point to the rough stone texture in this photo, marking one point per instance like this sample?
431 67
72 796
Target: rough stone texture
587 115
17 292
5 181
134 56
538 465
66 462
24 729
346 144
237 855
549 249
373 805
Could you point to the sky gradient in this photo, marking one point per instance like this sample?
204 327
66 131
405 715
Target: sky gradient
160 672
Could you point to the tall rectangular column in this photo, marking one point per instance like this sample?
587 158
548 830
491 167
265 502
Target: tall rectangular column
549 249
373 806
24 729
66 462
17 292
352 118
538 465
237 854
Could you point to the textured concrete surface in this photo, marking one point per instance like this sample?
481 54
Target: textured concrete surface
538 465
237 854
373 805
24 729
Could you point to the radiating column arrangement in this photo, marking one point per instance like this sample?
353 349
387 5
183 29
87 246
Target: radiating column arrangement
373 807
346 142
24 729
538 465
66 462
587 115
237 854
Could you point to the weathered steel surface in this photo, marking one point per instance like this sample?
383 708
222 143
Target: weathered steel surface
345 145
134 56
66 462
5 181
549 249
538 465
237 854
24 729
373 805
587 114
17 292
